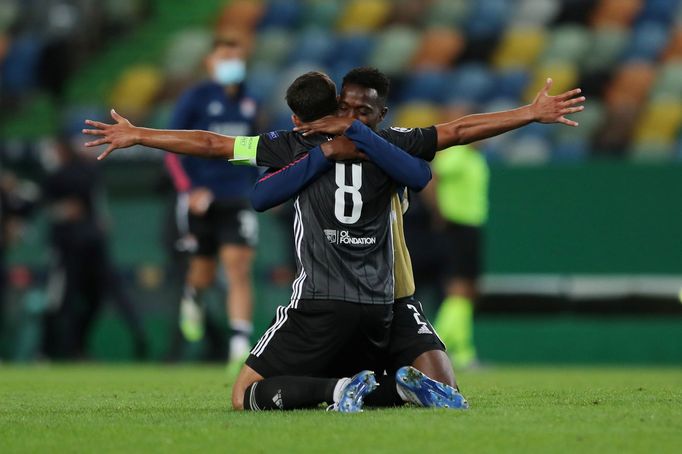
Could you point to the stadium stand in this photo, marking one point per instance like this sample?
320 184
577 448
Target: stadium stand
624 53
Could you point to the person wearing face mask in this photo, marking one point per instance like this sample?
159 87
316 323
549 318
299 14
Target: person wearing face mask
216 223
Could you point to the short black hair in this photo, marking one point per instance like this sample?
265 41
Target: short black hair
369 77
312 96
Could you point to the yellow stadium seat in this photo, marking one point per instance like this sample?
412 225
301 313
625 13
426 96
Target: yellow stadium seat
519 48
660 122
564 77
417 115
136 89
364 15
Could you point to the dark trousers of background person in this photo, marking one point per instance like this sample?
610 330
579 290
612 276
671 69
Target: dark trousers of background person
216 335
81 278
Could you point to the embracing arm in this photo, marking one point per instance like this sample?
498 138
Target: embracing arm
543 109
278 186
402 167
123 134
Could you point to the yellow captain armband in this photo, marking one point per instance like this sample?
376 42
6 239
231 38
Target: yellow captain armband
245 148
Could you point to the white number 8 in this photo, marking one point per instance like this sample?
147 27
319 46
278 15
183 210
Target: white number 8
353 189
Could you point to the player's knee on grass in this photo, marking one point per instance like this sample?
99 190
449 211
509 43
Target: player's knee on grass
246 378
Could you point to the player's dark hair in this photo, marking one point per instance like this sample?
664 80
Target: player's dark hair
368 77
312 96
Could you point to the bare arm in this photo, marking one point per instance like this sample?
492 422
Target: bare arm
123 134
543 109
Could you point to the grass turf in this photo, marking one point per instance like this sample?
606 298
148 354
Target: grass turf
88 408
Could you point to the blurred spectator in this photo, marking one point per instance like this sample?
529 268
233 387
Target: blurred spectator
215 196
82 273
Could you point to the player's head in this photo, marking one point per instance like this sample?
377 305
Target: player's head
311 96
226 63
363 95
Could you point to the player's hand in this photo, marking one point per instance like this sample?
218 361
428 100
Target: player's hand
330 124
200 200
341 149
553 109
121 134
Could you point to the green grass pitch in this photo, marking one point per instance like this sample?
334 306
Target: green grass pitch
124 408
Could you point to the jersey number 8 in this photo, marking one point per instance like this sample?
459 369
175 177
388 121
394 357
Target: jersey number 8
353 189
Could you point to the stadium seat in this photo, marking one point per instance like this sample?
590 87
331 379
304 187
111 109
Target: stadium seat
320 14
658 11
361 16
660 122
448 13
619 13
136 89
424 86
534 13
673 50
668 84
312 45
519 48
273 46
528 150
417 115
570 149
648 41
564 77
569 43
394 49
488 18
20 67
511 83
352 49
438 49
470 83
631 84
280 14
589 119
241 14
606 47
186 52
262 80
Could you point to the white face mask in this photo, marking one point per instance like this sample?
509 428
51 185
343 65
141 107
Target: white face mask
228 72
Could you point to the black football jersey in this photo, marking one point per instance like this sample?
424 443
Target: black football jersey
342 226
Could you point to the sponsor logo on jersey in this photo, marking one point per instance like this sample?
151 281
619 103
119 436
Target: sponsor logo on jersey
343 237
273 135
397 129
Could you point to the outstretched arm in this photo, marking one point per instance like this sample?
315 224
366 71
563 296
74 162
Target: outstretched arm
543 109
123 134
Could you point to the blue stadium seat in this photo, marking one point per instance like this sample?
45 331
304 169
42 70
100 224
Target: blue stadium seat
20 67
281 13
648 41
488 18
424 86
313 45
511 84
658 11
352 49
470 83
573 150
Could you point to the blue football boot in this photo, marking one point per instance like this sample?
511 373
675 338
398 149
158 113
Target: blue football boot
353 394
426 392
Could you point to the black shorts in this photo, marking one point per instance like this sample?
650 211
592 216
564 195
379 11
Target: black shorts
462 254
411 334
318 338
224 223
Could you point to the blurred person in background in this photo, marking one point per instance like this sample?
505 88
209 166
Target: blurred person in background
458 198
82 273
17 199
221 221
